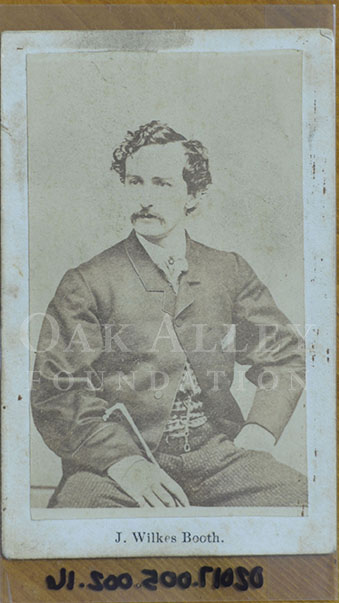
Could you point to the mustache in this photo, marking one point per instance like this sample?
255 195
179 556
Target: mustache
145 213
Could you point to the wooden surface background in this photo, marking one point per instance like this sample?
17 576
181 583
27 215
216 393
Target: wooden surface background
310 578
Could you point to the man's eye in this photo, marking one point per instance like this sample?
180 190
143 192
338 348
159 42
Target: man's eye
164 184
134 181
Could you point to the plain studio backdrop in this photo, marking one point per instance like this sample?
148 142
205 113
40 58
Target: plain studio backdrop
244 107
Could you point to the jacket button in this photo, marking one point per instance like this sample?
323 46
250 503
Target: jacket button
158 394
179 322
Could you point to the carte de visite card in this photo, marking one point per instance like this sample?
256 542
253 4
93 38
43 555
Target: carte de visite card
168 210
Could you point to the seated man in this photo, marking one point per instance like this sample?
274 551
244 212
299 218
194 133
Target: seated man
136 356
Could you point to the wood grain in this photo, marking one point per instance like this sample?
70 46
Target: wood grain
287 578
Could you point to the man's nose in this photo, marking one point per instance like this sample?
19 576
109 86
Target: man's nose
149 194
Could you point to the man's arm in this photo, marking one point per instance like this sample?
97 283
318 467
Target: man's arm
69 413
267 342
67 409
255 437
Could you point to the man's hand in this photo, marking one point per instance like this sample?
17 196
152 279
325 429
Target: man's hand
254 437
147 483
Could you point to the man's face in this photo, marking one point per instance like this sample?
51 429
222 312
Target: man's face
157 193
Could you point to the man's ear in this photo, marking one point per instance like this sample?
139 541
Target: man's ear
192 203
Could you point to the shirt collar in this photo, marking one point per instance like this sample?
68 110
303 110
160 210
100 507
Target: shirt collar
160 254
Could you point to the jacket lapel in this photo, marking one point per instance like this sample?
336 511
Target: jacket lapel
189 280
149 274
153 280
147 271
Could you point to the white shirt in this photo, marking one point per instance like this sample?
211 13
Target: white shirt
172 261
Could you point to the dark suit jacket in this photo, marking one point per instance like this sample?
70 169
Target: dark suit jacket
116 343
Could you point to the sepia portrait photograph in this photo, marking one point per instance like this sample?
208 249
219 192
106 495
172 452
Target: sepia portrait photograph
177 377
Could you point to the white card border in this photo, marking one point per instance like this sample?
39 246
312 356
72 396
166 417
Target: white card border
24 537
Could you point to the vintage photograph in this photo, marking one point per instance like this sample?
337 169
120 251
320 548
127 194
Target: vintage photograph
167 334
132 381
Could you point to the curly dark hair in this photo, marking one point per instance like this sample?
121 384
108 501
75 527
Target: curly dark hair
195 173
